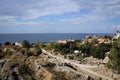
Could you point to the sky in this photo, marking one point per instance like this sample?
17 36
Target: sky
59 16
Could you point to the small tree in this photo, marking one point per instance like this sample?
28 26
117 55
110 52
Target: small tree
115 59
26 44
114 56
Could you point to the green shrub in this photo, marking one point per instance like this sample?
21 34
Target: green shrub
114 56
7 43
26 44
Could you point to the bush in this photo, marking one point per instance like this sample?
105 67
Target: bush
86 49
26 72
58 76
114 56
7 43
89 49
26 52
67 48
7 56
26 44
115 59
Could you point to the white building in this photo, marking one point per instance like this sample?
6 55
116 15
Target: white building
77 52
18 44
62 41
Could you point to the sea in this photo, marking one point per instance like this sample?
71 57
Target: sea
46 37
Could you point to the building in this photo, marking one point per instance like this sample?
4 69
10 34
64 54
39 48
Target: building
18 44
77 52
62 41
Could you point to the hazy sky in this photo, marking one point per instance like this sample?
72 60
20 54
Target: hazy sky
59 16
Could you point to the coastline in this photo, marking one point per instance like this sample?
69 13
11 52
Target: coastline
46 37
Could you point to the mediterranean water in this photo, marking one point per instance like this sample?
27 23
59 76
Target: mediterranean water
46 37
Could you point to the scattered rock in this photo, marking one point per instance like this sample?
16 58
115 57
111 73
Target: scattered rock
90 78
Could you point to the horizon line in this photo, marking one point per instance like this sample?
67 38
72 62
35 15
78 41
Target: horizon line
64 33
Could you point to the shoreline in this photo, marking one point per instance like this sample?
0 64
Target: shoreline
46 37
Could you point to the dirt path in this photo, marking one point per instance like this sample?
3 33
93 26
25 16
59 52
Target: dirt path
84 68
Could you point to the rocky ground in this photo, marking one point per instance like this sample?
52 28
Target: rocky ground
31 64
19 65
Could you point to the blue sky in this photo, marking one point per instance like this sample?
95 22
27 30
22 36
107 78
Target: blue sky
59 16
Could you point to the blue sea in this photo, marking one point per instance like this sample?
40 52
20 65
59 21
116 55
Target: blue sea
45 37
